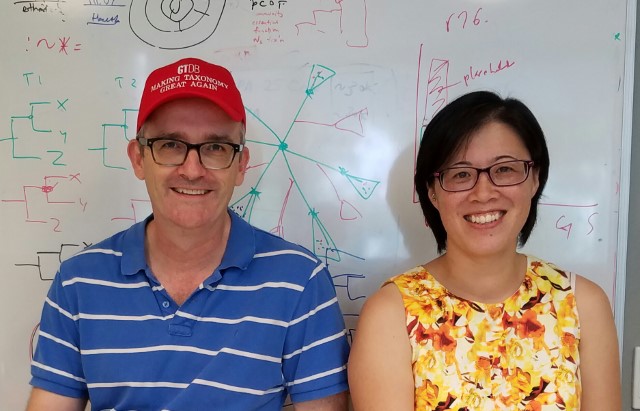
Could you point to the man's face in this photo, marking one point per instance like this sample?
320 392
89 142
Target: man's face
189 195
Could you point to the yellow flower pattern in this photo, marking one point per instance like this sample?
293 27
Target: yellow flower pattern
521 354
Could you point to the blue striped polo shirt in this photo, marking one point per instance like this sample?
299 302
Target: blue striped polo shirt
266 324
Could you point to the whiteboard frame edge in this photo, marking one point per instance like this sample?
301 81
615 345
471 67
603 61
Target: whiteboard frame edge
625 172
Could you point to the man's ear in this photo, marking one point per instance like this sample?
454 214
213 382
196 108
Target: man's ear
136 156
243 162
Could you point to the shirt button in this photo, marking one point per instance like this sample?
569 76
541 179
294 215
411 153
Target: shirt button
165 304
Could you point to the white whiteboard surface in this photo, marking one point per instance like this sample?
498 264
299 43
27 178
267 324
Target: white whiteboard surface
337 93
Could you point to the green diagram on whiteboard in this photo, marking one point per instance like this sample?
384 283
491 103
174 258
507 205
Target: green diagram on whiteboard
323 244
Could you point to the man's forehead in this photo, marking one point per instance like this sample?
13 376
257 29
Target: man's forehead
231 134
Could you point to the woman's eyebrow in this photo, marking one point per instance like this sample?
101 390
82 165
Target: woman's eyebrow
497 159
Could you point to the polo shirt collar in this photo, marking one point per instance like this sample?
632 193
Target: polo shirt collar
133 256
241 246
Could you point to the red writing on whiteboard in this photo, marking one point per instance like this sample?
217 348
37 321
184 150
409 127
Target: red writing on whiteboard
266 27
475 73
460 19
438 83
565 227
38 209
61 44
568 224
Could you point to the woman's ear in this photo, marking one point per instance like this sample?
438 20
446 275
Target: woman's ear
432 196
535 172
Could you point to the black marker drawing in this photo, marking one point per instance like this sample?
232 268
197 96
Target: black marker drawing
175 24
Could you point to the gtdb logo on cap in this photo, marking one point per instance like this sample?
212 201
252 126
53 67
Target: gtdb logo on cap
188 68
191 78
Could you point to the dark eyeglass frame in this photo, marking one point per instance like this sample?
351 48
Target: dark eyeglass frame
148 142
528 164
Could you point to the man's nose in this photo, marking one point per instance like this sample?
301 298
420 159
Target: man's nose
192 167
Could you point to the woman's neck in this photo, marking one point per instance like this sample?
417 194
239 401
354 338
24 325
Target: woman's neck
485 279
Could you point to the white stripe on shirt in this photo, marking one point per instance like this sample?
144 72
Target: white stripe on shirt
284 252
270 284
101 251
315 344
123 317
235 388
141 384
105 283
181 348
248 318
219 320
317 270
60 310
58 340
56 371
317 376
321 307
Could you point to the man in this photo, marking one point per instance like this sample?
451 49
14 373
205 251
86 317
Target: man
193 308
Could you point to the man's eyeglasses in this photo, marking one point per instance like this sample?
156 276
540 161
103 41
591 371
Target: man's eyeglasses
503 174
173 152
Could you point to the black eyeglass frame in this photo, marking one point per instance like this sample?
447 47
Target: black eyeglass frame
148 142
439 175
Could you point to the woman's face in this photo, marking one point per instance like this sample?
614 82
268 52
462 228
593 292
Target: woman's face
486 219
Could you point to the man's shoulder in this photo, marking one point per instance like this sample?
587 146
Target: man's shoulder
279 259
104 251
269 243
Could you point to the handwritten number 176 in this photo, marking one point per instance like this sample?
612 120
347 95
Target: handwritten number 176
463 17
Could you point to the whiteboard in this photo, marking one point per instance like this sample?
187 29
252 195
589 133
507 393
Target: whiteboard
337 94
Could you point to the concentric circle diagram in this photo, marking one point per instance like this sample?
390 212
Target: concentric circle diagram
175 24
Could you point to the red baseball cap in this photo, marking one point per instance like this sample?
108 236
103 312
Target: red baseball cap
191 77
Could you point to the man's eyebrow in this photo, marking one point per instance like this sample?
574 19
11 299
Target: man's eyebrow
170 135
225 138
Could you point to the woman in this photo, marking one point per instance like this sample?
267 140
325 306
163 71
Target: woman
483 327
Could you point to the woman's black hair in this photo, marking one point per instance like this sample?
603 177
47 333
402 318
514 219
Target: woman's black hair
452 127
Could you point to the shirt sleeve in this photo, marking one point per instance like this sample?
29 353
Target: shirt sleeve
56 365
316 348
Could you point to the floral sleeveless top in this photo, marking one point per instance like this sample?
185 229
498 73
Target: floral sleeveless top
521 354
